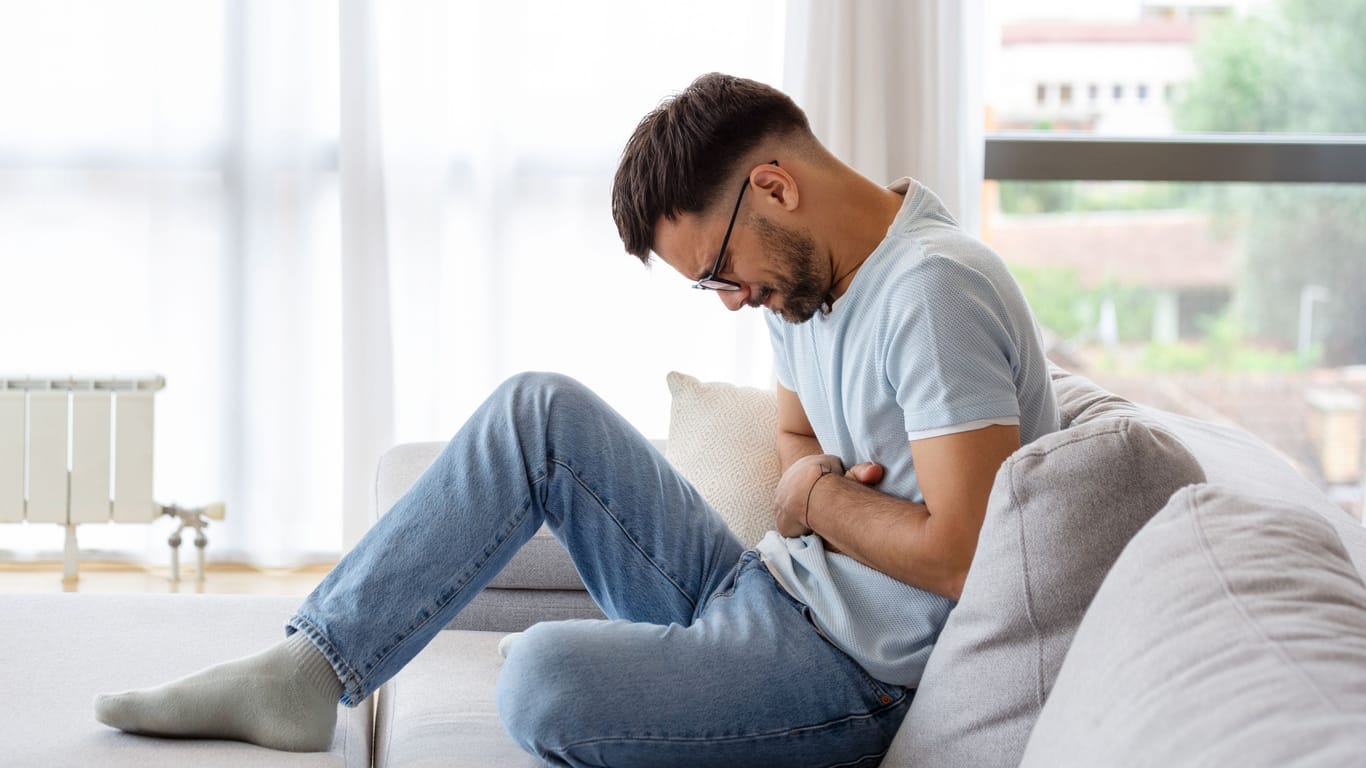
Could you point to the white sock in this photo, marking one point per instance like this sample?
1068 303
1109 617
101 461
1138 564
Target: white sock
284 697
505 644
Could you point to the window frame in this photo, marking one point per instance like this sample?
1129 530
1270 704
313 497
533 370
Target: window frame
1227 157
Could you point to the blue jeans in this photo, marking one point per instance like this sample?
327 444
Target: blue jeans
704 660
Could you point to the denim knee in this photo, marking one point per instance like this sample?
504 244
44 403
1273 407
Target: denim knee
536 694
540 384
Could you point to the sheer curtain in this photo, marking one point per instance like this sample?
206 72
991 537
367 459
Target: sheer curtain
337 225
168 203
499 126
894 87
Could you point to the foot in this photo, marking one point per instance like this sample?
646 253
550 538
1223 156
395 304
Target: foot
284 698
505 644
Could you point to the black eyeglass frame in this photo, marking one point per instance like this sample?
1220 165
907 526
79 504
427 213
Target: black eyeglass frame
711 282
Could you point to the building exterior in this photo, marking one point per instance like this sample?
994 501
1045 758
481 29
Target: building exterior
1120 68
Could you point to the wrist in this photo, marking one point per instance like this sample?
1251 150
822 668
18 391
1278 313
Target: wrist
824 470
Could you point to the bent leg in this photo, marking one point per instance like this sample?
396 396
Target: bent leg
750 682
541 449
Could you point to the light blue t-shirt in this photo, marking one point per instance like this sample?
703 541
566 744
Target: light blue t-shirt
932 337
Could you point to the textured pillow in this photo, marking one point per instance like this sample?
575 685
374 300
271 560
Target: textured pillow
1061 510
1080 400
721 438
1232 631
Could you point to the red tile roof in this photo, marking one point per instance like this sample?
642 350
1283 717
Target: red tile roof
1154 249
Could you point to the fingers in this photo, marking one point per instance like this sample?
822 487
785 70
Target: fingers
868 473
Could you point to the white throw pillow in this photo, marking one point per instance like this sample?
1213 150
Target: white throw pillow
721 438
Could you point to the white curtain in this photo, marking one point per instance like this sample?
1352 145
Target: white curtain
168 203
894 87
338 225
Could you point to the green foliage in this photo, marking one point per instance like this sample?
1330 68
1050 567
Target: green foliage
1299 67
1031 197
1134 308
1223 349
1062 305
1302 68
1055 295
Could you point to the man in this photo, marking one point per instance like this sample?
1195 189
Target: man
909 367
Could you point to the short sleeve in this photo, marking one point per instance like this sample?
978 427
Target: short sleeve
949 352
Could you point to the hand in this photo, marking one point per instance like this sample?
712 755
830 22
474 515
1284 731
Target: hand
793 496
794 489
868 473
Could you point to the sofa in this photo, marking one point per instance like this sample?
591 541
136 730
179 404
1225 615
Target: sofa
1148 589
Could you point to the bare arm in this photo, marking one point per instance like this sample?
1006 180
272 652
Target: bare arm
795 438
927 545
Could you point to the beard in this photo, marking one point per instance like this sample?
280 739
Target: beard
803 285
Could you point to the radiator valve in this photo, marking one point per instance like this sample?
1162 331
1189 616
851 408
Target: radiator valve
191 517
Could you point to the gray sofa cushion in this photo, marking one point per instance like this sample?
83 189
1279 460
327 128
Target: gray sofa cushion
1232 631
1060 512
1234 458
439 711
63 649
513 610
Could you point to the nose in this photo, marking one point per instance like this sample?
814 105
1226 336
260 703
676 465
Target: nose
734 300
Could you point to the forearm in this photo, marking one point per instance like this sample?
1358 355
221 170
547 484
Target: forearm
897 537
792 446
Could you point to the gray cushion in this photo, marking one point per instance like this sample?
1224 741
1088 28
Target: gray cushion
440 711
62 649
1060 512
1234 458
513 610
541 564
1232 631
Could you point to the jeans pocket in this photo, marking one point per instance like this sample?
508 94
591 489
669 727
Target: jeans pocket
727 586
883 694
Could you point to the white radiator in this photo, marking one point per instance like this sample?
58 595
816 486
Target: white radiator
77 450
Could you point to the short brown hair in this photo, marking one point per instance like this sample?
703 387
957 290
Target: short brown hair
684 150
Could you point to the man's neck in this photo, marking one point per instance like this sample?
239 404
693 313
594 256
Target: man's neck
861 212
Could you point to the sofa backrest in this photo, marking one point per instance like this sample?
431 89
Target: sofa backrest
1234 458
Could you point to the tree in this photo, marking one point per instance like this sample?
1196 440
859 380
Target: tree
1300 67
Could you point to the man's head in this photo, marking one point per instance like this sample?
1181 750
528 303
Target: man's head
680 191
685 154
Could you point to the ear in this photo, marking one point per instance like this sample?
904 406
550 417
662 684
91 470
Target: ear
773 185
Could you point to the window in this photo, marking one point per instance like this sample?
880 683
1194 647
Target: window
1229 281
167 168
1065 94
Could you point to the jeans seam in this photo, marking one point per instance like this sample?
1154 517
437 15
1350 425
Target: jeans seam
344 671
777 732
477 567
620 526
873 684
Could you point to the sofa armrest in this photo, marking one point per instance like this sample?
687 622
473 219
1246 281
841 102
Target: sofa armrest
542 564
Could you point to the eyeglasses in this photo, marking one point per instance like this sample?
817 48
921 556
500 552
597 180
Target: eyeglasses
711 282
